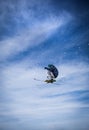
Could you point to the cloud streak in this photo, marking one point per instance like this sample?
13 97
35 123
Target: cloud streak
30 37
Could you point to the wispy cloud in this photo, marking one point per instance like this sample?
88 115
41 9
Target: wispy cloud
30 37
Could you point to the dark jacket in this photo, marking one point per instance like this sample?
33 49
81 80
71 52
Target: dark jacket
53 69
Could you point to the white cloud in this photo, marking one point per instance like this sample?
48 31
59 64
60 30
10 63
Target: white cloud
27 38
32 36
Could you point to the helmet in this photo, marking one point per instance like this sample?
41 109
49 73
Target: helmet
50 65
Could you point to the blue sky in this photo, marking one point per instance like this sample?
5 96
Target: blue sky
34 34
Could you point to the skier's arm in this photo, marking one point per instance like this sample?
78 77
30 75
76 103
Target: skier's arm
46 68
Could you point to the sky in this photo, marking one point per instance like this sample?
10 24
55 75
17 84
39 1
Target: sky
34 34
